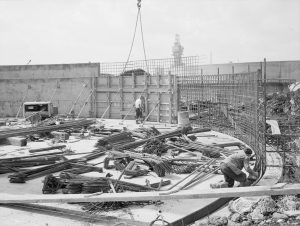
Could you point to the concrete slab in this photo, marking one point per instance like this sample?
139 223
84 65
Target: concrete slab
172 210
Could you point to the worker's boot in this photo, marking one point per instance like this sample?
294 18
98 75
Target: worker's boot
246 183
220 184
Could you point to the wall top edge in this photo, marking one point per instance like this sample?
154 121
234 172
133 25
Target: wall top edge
47 66
253 62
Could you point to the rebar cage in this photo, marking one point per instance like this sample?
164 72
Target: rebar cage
228 103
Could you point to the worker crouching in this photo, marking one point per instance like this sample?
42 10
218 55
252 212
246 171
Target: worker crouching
232 166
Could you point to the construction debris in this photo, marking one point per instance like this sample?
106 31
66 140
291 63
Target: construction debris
134 153
265 211
115 139
23 176
43 129
17 141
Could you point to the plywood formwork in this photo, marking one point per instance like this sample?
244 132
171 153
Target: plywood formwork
120 93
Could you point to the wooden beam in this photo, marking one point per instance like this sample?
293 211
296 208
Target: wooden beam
289 189
17 141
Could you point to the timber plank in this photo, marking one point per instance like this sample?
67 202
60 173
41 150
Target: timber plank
290 189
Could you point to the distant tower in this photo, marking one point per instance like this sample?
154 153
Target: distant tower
177 51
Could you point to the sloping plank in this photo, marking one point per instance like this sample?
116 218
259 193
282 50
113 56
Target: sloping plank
290 189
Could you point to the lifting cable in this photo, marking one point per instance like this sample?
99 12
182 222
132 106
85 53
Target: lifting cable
138 18
144 49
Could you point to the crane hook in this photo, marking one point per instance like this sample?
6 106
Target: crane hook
139 3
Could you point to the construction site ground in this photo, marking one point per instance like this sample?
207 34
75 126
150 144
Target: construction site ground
171 210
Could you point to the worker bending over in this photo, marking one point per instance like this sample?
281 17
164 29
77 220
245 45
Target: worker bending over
232 167
138 110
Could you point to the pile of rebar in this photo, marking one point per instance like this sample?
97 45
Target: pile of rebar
155 147
160 165
135 144
10 165
42 129
207 150
23 176
115 139
72 183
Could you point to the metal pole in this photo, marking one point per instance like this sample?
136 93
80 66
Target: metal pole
265 109
74 103
85 103
21 105
55 90
105 111
150 113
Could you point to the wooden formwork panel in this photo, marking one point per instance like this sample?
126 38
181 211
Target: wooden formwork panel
115 96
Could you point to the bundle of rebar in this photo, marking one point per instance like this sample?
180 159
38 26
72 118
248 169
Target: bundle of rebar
198 175
160 165
177 132
155 147
95 207
207 150
29 162
71 183
115 139
23 176
42 129
182 167
144 133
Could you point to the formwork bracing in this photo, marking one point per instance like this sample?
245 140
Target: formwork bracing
120 84
229 103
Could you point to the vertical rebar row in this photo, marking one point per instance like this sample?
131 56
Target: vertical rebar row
227 103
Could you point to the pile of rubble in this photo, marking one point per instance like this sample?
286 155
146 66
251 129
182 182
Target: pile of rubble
285 109
284 104
269 211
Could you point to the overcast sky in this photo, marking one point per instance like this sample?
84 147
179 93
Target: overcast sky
80 31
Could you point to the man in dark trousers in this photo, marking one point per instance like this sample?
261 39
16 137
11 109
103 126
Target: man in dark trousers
232 167
138 110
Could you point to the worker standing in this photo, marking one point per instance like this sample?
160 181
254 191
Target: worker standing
232 166
138 110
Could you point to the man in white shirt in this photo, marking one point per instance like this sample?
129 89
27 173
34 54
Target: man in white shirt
138 110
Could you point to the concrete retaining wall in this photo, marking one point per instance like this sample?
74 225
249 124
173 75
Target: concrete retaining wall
63 83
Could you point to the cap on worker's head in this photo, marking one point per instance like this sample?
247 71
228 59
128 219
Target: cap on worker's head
248 151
